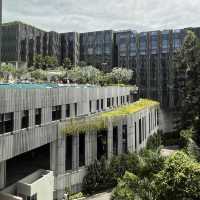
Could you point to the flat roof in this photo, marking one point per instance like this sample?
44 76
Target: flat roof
39 85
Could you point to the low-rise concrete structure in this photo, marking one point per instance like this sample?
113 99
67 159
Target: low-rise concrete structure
36 119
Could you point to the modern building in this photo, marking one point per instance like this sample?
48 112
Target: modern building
70 47
126 49
54 128
97 49
149 54
21 42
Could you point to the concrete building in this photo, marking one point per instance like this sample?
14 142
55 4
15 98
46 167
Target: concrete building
97 49
33 122
70 47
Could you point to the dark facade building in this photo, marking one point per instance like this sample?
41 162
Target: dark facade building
126 49
149 54
97 48
70 47
21 42
155 69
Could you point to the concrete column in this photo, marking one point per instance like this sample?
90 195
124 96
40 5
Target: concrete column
53 156
110 139
57 158
75 152
130 134
137 135
31 118
63 112
88 157
72 110
120 138
2 174
17 121
94 145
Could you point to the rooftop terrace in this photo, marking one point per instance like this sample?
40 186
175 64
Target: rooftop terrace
39 85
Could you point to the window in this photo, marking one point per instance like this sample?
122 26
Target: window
38 116
68 148
117 101
25 119
67 110
90 105
75 109
123 99
101 104
127 98
113 101
97 105
124 139
140 131
6 123
56 113
102 142
108 103
81 149
135 136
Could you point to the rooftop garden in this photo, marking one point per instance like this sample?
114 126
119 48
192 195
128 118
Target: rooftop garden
101 121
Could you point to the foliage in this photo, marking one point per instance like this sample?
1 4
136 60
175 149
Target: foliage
120 164
67 63
121 75
125 187
45 62
170 138
154 141
187 83
84 75
97 177
76 196
142 165
8 69
185 136
74 126
39 75
180 179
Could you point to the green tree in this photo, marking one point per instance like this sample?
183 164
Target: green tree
180 179
187 83
67 63
121 75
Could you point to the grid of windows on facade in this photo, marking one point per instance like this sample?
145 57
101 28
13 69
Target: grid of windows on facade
56 113
24 119
154 40
6 123
165 40
67 110
38 116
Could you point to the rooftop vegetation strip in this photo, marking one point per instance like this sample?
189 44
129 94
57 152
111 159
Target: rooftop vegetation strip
101 121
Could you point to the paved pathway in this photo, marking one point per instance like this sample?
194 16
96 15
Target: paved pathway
101 196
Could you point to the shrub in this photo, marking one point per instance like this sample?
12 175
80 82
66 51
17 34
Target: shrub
180 179
97 177
154 141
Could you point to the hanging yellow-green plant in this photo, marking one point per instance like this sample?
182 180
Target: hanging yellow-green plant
100 121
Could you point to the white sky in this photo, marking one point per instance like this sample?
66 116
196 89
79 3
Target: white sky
91 15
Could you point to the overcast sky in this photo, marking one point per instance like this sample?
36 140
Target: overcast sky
90 15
